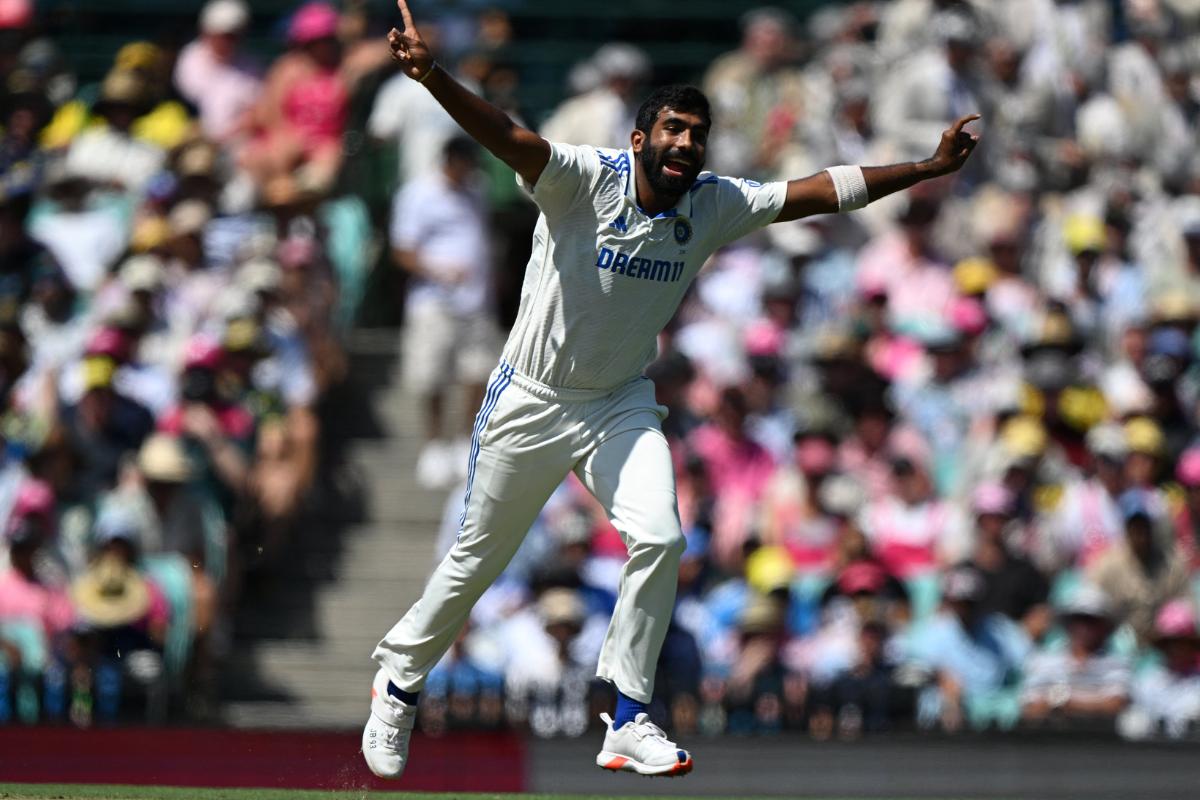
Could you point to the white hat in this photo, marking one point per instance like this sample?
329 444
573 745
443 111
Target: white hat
142 273
621 60
1087 600
236 302
189 217
260 275
1108 439
561 606
162 458
795 238
224 16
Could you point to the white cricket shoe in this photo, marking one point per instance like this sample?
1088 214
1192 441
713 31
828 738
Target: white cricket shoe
388 729
642 747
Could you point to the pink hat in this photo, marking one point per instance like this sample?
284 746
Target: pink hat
862 576
1188 469
968 316
297 251
312 22
202 352
895 358
15 14
992 498
109 342
1176 620
763 339
35 498
815 456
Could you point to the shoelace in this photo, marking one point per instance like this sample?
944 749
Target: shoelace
648 730
396 715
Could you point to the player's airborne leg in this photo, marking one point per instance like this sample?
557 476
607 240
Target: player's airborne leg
517 462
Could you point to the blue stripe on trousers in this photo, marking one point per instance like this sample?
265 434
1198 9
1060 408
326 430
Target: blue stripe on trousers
499 384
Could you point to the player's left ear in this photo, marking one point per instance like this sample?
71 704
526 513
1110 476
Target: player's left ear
637 138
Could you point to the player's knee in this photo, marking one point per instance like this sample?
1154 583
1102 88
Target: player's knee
663 537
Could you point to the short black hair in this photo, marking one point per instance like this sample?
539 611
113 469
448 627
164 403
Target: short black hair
678 96
460 148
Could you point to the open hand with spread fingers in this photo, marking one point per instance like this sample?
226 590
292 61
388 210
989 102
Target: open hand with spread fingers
409 49
955 147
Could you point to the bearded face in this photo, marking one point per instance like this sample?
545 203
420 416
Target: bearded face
672 154
670 170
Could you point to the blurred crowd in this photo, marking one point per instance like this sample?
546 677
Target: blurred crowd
937 461
175 261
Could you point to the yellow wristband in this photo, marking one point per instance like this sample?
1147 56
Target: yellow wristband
425 77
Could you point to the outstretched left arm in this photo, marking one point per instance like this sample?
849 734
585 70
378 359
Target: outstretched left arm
840 190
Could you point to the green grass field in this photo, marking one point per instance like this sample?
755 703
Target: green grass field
53 791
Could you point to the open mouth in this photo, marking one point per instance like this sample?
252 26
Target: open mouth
676 168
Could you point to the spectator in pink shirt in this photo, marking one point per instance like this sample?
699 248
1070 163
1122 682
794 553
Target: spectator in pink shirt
876 439
304 106
911 531
215 76
902 265
793 514
739 469
23 596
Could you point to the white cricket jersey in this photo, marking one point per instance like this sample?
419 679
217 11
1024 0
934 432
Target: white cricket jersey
604 278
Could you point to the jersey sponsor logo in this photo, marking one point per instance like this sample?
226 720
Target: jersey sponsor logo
683 231
647 269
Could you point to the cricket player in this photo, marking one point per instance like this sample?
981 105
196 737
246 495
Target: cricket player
621 235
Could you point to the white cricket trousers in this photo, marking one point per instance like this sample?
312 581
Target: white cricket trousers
527 438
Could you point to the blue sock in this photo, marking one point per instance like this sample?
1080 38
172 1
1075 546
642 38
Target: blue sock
627 709
403 696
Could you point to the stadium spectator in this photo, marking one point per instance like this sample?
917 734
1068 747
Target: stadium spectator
548 681
301 115
1013 586
1165 697
1187 516
408 116
603 116
1080 681
913 532
103 427
975 658
939 84
112 154
126 617
864 698
1145 571
462 692
739 468
213 74
439 237
756 93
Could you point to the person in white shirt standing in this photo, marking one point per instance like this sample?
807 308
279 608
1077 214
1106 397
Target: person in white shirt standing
621 235
439 236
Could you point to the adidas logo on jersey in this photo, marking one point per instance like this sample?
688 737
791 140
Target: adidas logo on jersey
636 267
619 224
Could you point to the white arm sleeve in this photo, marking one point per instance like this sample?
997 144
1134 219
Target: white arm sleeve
851 187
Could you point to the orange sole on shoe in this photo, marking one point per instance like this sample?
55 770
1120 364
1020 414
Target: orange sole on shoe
622 764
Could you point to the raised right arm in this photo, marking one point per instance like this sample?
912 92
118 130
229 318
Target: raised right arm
522 149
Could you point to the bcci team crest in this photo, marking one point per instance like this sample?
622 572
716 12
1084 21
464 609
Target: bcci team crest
683 231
